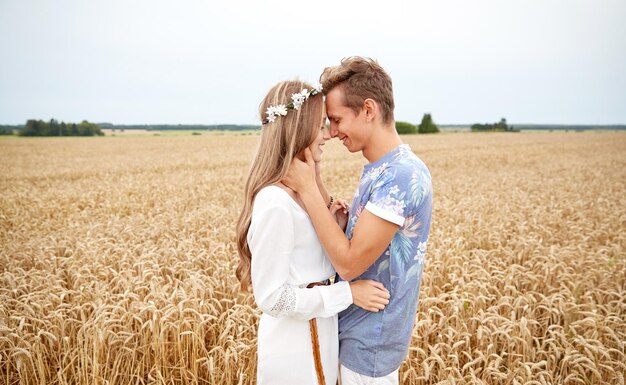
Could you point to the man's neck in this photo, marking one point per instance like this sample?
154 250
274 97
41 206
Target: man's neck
383 140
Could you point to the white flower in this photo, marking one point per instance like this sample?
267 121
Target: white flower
399 207
270 114
420 255
274 111
298 99
394 190
374 173
281 110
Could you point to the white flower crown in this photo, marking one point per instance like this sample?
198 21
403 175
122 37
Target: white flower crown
274 112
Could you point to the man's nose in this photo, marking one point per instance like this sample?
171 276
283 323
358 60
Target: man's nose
327 135
333 131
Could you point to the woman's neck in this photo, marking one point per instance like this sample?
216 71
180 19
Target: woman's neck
291 193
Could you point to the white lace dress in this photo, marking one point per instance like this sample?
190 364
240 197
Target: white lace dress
286 256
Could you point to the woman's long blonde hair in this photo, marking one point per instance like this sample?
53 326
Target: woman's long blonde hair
280 142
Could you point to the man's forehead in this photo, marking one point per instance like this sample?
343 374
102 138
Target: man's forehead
329 108
334 102
337 110
330 113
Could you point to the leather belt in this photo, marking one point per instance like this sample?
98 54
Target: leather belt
315 341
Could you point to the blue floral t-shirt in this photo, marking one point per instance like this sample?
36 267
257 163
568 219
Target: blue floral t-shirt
397 188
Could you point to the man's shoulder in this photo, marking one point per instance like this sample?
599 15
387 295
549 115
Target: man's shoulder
408 166
412 180
409 158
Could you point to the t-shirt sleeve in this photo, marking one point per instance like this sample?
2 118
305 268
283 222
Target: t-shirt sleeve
388 199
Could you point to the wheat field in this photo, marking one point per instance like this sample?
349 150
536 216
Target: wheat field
117 259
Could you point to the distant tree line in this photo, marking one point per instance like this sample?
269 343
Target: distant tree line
7 130
427 126
500 126
573 127
186 127
85 128
54 128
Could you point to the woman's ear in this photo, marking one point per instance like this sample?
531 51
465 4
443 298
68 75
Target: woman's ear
371 109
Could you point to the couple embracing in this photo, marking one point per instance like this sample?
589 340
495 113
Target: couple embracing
292 235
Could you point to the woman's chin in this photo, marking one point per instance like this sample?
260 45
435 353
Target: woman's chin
316 155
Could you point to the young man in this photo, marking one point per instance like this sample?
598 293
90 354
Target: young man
388 224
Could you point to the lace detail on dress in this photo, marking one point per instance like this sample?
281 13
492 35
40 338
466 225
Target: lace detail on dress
286 302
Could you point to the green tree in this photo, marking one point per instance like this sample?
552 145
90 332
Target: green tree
29 129
500 126
427 126
84 128
54 128
405 128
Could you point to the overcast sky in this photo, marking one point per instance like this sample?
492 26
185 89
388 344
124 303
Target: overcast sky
208 62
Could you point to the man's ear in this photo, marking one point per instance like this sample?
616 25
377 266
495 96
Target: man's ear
371 109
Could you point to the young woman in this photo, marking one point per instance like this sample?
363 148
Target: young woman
281 256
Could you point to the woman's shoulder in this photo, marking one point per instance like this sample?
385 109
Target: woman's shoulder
273 196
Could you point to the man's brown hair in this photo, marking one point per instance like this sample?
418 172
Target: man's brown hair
361 78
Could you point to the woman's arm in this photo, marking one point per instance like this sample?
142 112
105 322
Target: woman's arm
271 244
